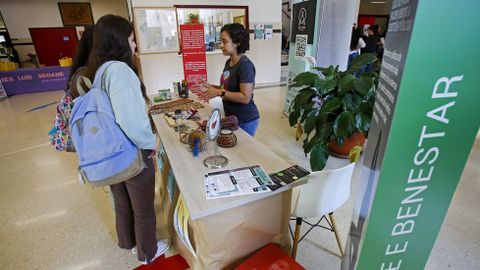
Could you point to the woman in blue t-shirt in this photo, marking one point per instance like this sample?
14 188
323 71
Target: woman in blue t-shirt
238 78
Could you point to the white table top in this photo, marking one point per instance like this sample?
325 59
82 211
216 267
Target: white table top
189 171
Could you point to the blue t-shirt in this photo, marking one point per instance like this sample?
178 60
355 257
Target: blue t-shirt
242 72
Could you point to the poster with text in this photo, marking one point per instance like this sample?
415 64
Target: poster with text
259 31
268 31
193 56
419 139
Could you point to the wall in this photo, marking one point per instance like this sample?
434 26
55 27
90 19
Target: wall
161 69
19 15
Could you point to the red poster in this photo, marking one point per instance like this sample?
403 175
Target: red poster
193 55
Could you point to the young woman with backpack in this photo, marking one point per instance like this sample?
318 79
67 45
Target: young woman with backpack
133 198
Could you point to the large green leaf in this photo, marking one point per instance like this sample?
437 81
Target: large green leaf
325 132
362 122
310 121
304 96
309 143
364 83
322 118
293 116
306 110
329 72
331 105
327 85
362 60
318 157
348 101
304 79
346 83
363 117
344 126
366 109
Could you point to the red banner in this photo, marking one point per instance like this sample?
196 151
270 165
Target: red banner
193 55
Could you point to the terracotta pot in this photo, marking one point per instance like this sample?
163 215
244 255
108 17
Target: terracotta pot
342 151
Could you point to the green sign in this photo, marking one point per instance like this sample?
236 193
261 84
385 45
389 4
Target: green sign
426 117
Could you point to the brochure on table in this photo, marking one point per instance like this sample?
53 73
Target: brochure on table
248 180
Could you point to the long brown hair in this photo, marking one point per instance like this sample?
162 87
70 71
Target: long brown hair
110 42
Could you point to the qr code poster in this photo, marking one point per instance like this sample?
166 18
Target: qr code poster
300 46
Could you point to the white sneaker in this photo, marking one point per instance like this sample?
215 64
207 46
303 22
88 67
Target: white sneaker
134 250
162 247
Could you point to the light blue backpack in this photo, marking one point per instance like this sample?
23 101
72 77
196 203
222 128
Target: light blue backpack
106 155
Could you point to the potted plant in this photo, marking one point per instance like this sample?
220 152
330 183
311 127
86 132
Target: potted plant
332 106
193 18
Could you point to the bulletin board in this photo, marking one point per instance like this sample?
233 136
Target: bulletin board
156 29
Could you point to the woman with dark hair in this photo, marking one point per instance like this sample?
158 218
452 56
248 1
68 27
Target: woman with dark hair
134 211
238 78
356 43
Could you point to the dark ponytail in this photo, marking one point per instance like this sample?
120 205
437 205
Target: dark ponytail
239 36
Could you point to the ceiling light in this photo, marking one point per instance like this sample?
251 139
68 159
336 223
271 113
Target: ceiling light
378 2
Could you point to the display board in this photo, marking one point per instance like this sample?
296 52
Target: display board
193 54
420 140
156 29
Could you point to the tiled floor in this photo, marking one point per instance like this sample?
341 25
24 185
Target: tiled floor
49 221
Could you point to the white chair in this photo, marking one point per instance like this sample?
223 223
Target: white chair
325 192
217 103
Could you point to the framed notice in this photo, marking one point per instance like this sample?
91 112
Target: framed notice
75 14
156 29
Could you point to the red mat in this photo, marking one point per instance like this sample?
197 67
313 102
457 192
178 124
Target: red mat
176 262
270 257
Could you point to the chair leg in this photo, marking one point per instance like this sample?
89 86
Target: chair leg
296 237
334 227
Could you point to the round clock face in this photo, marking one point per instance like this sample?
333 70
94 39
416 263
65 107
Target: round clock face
214 125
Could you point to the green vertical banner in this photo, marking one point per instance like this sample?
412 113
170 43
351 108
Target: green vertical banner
425 120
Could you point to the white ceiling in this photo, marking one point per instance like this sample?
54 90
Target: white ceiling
369 8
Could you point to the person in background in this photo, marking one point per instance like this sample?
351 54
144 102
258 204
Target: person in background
371 46
356 44
380 41
238 78
134 209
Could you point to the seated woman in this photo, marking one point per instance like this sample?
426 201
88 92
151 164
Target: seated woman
238 78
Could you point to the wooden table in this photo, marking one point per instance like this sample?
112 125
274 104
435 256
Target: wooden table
223 231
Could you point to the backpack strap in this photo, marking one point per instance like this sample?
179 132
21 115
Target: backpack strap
99 80
80 81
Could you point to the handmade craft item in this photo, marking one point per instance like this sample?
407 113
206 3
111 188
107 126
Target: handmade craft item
197 141
228 122
226 138
183 104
